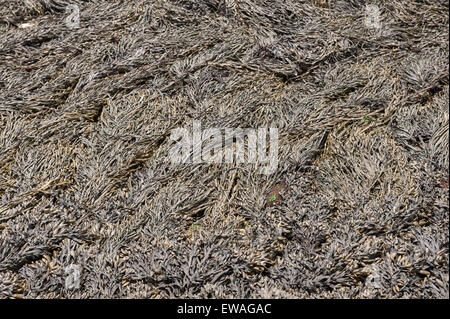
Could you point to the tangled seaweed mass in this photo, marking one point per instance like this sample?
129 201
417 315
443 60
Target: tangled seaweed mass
91 208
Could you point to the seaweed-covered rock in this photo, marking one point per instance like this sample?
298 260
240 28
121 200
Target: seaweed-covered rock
92 207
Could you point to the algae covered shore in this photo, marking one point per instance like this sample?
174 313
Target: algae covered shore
91 91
